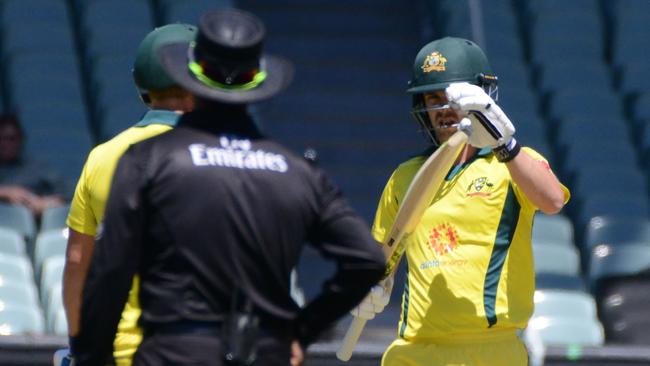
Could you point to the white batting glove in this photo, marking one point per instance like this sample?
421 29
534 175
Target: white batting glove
486 124
63 357
375 301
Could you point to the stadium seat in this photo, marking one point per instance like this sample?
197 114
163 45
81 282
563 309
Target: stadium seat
60 326
15 269
565 303
554 281
555 76
11 242
18 218
49 244
618 259
21 320
190 11
51 274
633 78
623 308
54 306
54 218
116 13
18 294
556 229
563 331
553 258
615 230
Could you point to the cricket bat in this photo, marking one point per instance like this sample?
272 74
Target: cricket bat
418 197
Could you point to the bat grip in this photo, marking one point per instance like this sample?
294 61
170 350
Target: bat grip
351 338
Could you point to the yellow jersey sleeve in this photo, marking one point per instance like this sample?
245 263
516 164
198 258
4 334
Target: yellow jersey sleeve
392 196
523 200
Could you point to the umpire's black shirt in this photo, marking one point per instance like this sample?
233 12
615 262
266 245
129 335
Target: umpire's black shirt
212 206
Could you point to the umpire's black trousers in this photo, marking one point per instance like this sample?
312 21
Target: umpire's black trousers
196 349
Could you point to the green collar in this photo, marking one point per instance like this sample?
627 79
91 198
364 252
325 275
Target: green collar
160 117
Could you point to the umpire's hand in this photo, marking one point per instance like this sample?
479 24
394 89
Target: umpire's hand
297 354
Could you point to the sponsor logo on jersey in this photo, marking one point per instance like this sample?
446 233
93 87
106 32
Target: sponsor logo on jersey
434 62
237 153
480 187
443 239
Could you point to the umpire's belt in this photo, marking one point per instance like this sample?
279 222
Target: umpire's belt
205 328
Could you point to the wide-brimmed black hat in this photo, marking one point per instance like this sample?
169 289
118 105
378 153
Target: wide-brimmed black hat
226 63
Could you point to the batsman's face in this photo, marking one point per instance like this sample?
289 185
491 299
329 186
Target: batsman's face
443 118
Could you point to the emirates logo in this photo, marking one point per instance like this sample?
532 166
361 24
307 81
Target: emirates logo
443 239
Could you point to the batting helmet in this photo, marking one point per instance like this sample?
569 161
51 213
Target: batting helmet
148 72
445 61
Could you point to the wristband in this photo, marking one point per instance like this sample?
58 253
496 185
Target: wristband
507 152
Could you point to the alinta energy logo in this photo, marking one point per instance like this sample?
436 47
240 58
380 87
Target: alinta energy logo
480 187
443 239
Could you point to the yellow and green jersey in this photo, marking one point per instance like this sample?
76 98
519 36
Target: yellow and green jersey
470 262
89 202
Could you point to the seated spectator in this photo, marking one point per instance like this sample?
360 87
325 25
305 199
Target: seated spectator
23 180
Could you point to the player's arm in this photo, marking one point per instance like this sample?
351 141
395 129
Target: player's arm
488 126
78 255
116 256
538 182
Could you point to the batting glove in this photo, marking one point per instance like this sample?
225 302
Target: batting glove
486 124
63 357
375 301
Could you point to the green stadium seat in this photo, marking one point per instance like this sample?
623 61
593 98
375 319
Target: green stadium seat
618 260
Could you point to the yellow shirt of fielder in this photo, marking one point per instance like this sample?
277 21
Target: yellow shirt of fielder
89 201
470 262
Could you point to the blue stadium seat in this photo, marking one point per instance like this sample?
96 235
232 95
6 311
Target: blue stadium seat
54 218
641 107
60 326
618 260
18 218
623 308
53 308
557 229
565 331
190 11
634 77
51 275
11 242
576 102
49 244
42 36
18 294
118 117
15 269
116 13
556 258
614 229
21 320
565 303
100 39
556 76
554 281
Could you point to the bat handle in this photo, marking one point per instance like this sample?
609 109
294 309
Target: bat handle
351 338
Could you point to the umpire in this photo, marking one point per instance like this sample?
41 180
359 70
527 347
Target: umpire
213 216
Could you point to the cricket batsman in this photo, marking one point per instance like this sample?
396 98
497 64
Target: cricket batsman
470 280
167 102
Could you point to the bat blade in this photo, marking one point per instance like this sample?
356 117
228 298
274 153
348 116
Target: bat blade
417 199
